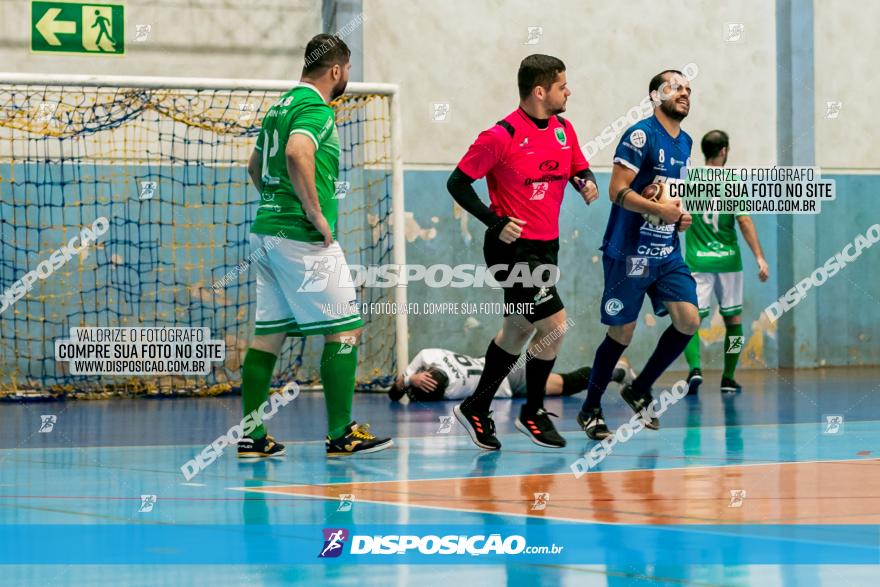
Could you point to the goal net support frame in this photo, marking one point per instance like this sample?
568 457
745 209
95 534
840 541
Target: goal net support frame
397 217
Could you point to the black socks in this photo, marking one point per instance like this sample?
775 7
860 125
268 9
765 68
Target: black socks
576 381
498 365
537 372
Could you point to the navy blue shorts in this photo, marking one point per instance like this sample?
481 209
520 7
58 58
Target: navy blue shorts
627 282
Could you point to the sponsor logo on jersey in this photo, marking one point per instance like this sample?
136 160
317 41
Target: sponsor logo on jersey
547 177
328 124
663 230
655 251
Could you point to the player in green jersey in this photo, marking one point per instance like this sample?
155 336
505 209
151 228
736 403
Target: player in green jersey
713 255
304 286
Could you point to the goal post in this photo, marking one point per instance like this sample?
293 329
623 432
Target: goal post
163 160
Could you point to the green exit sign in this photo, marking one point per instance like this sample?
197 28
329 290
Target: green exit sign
73 27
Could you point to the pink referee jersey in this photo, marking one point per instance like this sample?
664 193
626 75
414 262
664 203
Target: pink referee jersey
526 169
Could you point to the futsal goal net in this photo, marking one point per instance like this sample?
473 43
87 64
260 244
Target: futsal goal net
162 161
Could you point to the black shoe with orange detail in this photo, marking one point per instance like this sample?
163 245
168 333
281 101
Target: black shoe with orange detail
479 425
538 427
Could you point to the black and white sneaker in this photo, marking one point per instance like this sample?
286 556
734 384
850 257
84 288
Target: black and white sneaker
538 427
638 402
593 423
479 425
695 378
729 385
256 448
357 438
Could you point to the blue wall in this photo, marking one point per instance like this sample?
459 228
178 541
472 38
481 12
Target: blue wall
848 320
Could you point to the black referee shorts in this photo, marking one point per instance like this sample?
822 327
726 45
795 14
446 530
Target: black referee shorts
533 303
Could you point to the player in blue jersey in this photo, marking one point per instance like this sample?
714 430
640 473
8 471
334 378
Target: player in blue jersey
640 258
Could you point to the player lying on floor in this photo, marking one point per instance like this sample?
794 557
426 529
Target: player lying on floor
440 374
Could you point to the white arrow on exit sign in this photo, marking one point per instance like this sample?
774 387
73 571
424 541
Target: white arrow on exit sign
49 27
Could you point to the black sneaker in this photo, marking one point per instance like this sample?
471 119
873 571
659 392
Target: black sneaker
250 448
695 378
356 439
539 428
479 425
593 423
638 402
729 385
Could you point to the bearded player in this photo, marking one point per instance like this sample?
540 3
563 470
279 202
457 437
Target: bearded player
295 165
713 254
527 158
643 259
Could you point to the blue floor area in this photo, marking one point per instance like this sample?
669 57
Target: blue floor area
101 457
770 397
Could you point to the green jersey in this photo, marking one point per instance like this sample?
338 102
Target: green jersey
302 110
711 244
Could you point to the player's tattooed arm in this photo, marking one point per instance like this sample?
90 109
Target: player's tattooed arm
621 194
254 170
300 156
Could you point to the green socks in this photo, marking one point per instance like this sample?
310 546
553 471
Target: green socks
692 351
256 376
338 370
733 346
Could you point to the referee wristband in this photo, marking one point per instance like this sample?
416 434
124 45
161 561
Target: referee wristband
621 196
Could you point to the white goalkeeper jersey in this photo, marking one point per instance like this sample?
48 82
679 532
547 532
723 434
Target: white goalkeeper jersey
463 372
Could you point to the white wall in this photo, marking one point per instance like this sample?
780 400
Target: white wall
846 52
204 38
466 52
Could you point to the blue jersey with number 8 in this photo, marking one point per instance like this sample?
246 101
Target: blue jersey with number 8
654 155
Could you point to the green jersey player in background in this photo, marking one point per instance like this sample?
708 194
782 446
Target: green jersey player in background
304 286
713 255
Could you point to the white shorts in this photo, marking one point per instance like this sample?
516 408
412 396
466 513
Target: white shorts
728 290
302 288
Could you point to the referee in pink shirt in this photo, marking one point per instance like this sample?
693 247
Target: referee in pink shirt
527 159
